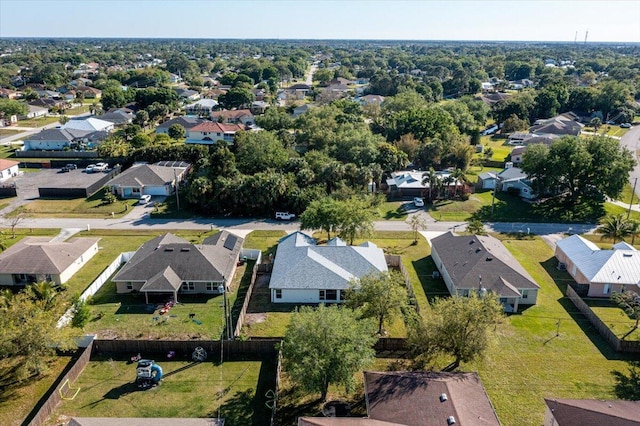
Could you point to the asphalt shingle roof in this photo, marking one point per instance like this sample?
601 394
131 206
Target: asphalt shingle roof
467 258
583 412
146 175
40 255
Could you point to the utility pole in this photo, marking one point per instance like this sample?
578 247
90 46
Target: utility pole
493 197
177 184
632 194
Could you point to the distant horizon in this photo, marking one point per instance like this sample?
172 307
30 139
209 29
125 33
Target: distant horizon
614 21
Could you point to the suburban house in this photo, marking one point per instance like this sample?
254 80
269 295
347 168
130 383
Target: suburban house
259 107
89 92
35 259
236 116
297 91
479 264
8 169
304 272
160 178
559 125
370 100
602 271
90 124
188 94
201 107
209 132
514 179
487 180
186 122
583 412
117 117
170 265
419 398
516 154
8 93
525 139
36 111
410 184
61 139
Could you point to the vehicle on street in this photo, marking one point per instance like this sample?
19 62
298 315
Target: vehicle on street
144 199
626 125
285 216
71 167
418 202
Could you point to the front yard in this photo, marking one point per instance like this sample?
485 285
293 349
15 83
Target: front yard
92 207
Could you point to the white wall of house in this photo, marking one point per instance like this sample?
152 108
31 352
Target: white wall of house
46 145
79 263
8 280
300 296
193 287
8 173
199 137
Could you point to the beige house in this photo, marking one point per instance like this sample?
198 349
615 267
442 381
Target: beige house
479 264
35 259
602 271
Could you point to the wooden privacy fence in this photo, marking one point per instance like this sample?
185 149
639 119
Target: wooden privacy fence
245 303
601 327
54 395
396 262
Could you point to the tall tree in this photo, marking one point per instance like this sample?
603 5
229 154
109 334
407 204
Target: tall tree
417 223
355 219
323 214
326 345
629 302
381 296
461 327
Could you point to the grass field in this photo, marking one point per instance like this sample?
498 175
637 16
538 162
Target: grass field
614 317
17 398
234 390
9 132
393 210
92 207
37 122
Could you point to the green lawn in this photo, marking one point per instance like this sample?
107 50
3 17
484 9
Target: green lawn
37 122
92 207
9 132
610 130
392 210
506 208
169 209
614 317
78 110
17 398
501 148
234 390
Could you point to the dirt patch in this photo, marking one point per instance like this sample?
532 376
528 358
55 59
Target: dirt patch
255 318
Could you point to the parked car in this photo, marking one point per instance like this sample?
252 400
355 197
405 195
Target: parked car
626 125
490 130
285 216
101 167
64 169
71 167
418 202
144 199
90 168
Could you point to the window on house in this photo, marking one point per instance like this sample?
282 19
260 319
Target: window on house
607 289
278 294
212 286
129 285
525 294
188 286
328 294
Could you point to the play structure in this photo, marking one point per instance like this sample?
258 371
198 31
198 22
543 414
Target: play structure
148 373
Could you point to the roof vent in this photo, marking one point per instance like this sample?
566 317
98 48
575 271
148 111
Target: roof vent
489 258
443 397
451 420
627 255
185 249
168 249
478 249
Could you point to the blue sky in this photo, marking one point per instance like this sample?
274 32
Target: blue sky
616 20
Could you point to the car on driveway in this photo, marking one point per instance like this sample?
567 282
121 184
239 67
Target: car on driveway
418 202
144 199
626 125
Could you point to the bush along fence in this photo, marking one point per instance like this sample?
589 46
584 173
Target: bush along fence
62 387
395 262
606 333
96 284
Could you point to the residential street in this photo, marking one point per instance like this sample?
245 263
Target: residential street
631 140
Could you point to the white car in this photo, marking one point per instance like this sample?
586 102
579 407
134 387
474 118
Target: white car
100 167
144 199
285 216
90 168
418 202
626 125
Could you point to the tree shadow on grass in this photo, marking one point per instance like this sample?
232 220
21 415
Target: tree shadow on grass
433 287
562 279
628 387
243 289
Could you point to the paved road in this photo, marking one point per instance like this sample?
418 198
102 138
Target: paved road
631 140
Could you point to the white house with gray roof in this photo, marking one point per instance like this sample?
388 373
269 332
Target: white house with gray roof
603 271
304 272
158 179
35 259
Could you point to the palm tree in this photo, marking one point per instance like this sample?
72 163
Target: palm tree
430 178
615 227
459 176
595 123
634 229
44 292
447 181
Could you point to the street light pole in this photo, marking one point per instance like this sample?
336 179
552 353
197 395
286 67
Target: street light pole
632 194
175 181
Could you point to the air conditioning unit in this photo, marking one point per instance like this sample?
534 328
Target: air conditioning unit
562 266
435 274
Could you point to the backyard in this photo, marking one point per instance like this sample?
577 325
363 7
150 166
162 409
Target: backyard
614 317
234 390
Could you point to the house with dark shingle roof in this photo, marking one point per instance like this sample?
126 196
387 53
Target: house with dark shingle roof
304 272
478 264
583 412
59 139
149 179
186 122
419 398
35 259
171 265
559 125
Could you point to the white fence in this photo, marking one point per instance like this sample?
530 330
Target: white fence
251 254
96 284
